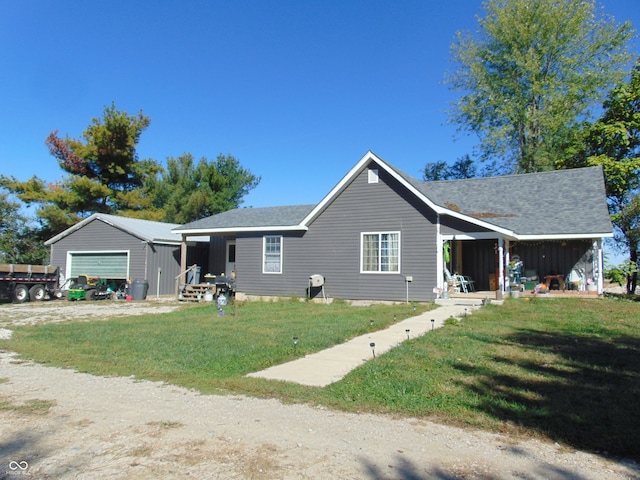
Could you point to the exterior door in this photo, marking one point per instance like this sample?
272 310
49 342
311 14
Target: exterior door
230 260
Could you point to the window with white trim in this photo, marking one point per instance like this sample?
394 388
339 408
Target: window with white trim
380 252
372 176
272 254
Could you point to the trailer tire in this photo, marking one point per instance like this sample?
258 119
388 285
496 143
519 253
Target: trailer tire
20 293
37 293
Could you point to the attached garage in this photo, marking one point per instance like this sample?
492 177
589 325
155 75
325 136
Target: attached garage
121 249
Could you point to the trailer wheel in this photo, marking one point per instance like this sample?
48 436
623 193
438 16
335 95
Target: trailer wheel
37 293
20 293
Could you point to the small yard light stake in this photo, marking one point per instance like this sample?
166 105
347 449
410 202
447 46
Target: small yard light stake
295 344
408 332
394 318
373 349
371 322
433 323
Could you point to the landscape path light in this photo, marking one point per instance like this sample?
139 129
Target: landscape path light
295 344
408 332
373 349
433 323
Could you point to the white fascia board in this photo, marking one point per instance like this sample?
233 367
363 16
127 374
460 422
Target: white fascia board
357 168
565 236
338 188
71 229
475 236
370 156
270 228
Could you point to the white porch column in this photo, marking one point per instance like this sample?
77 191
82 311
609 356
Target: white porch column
599 251
439 255
505 272
501 265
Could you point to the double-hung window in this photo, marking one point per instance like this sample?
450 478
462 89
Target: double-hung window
272 254
380 252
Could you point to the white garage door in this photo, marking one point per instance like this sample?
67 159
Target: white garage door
104 264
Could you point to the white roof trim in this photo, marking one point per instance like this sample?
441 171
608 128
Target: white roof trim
270 228
370 156
565 236
73 228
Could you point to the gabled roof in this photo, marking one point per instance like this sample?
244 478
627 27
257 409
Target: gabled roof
147 230
250 219
555 204
563 203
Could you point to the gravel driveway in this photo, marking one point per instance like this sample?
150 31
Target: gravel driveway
60 424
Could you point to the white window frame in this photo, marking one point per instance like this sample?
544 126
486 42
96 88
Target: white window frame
379 260
372 175
265 253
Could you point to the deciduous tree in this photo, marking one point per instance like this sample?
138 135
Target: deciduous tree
532 73
613 142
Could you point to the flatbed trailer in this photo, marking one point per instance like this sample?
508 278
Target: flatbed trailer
20 283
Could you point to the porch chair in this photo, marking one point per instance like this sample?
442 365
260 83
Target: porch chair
454 280
468 284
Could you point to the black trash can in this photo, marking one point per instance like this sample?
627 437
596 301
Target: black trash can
139 289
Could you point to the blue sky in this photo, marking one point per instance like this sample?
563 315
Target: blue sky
298 91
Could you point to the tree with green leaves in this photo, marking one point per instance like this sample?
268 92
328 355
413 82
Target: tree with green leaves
188 191
19 243
103 168
464 167
531 74
613 142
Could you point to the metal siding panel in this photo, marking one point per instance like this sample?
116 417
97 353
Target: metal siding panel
167 258
331 247
104 265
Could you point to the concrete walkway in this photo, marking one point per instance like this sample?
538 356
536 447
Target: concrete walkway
328 366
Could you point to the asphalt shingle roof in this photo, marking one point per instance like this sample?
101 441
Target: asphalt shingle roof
546 203
285 216
559 202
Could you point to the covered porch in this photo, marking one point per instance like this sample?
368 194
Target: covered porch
506 265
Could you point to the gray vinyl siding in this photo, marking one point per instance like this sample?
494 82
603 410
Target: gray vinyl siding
331 247
455 226
144 258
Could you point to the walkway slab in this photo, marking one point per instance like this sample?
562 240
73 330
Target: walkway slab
328 366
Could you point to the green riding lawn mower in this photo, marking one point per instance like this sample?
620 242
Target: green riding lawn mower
90 288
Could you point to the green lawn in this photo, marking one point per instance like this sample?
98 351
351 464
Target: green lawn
563 369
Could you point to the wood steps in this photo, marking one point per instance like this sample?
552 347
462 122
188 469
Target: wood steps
195 292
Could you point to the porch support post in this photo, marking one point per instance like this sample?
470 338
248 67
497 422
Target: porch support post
507 260
439 255
597 246
501 265
183 262
183 254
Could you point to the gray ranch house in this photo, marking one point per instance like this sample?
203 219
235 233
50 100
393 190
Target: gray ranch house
381 234
119 249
